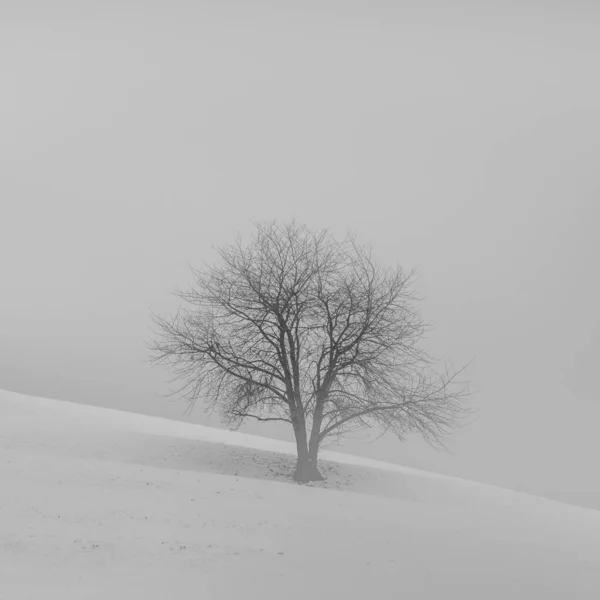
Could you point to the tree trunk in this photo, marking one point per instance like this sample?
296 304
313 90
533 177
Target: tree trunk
308 451
306 469
306 464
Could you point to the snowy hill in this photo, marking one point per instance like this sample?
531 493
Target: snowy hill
97 504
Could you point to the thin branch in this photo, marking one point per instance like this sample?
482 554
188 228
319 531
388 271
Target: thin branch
261 419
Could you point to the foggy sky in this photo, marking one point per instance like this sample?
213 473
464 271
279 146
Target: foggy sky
461 140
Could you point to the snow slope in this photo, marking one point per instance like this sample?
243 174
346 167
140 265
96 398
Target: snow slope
97 504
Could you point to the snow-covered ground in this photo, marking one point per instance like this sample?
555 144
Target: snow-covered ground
99 504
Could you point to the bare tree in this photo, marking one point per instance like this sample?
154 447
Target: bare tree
301 328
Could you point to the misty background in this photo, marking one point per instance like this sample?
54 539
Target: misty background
458 138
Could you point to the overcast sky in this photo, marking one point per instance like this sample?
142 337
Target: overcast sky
460 138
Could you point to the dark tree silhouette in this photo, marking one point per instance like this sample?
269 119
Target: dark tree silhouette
299 327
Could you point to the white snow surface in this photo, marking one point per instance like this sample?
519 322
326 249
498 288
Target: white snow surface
98 503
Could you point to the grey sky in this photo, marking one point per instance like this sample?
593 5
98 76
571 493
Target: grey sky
463 141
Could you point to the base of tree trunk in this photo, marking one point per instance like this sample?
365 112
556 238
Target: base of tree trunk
306 471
